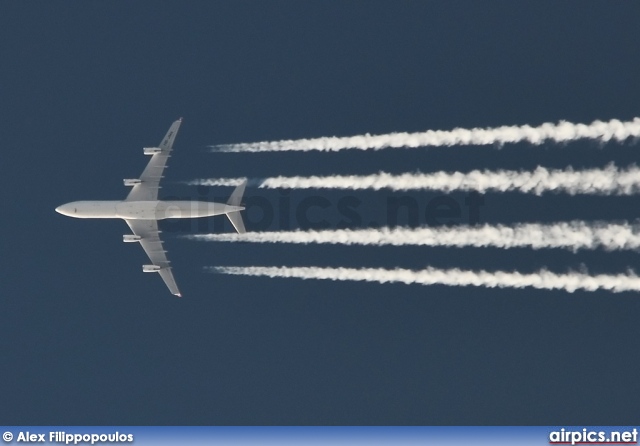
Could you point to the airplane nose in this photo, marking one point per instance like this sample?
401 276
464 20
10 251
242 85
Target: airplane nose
64 209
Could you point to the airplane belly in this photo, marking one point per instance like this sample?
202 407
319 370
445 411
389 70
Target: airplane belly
137 210
159 210
189 209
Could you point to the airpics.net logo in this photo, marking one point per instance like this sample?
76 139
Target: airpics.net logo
586 436
285 211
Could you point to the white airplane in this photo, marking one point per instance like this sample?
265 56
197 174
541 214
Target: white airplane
141 210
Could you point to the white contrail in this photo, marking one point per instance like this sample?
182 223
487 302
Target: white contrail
543 279
562 132
605 181
570 235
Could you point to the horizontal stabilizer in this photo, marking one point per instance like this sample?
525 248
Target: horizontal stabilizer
236 220
236 200
236 196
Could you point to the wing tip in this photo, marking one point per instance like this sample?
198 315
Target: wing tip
177 294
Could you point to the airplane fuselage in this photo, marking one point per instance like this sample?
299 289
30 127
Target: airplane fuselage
145 210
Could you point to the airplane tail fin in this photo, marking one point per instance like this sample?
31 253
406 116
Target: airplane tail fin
235 200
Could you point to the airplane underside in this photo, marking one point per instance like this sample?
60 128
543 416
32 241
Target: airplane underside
145 210
141 210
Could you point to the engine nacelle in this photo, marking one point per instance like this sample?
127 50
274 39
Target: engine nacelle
152 150
150 268
131 181
128 238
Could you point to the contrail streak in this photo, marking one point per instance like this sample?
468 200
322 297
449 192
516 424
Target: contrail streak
543 279
562 132
572 235
606 181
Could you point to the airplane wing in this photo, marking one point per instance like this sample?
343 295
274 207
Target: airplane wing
148 187
149 235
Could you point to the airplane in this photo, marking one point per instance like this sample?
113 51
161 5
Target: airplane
141 210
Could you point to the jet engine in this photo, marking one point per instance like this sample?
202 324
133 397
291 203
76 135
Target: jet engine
150 268
127 238
131 182
152 150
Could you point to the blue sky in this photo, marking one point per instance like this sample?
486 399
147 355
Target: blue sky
88 339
